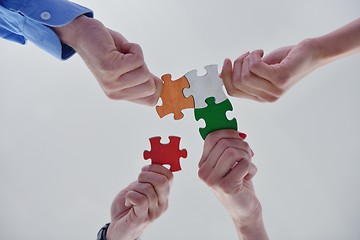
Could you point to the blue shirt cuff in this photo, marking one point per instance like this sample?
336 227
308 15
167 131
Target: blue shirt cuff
32 19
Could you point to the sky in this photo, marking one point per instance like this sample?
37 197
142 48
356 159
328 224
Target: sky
66 150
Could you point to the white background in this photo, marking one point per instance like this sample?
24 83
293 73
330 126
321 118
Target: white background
66 150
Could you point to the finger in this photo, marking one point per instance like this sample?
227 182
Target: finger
133 78
221 146
252 172
118 38
139 202
127 80
141 91
246 77
127 57
227 76
238 172
154 98
261 68
261 82
229 150
227 161
149 192
211 140
156 168
160 184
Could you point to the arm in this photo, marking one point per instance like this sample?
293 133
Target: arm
61 27
226 168
267 78
139 204
32 20
117 64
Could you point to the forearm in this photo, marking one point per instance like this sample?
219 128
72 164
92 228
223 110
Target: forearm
122 231
338 43
251 229
70 33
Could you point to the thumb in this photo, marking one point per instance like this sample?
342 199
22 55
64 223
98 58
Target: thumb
260 68
226 75
119 40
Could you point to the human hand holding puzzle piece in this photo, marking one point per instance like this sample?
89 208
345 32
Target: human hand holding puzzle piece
203 93
168 153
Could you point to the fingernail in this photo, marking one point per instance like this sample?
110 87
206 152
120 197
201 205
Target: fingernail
252 153
242 135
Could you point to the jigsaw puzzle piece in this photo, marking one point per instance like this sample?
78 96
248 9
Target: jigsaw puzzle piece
173 100
203 87
214 116
168 153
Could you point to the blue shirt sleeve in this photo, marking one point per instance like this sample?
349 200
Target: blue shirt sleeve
22 20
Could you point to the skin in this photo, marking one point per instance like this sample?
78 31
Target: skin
267 78
226 167
117 64
140 203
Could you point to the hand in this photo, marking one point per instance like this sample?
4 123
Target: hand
226 167
267 78
139 204
117 64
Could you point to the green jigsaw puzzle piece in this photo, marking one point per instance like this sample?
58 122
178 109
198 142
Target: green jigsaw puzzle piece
215 116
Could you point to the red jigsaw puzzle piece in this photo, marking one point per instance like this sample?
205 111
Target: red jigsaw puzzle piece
168 153
173 99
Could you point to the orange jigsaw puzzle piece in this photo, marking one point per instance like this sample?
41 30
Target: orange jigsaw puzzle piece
173 99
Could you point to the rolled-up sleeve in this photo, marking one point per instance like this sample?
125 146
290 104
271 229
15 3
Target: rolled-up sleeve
31 20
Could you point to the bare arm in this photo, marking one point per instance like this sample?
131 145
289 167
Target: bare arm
226 168
267 78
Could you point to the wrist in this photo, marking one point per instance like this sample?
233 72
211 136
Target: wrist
251 228
116 232
71 33
315 51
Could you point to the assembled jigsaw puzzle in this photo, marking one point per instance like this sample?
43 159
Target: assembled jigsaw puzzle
203 93
168 153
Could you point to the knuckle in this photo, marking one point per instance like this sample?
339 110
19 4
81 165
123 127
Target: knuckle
231 91
150 87
246 144
162 180
223 144
212 182
279 92
113 95
238 61
108 86
107 68
231 152
246 164
211 139
225 187
246 80
202 175
148 187
271 99
253 65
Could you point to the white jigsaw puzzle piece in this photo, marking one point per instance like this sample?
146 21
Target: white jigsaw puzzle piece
203 87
